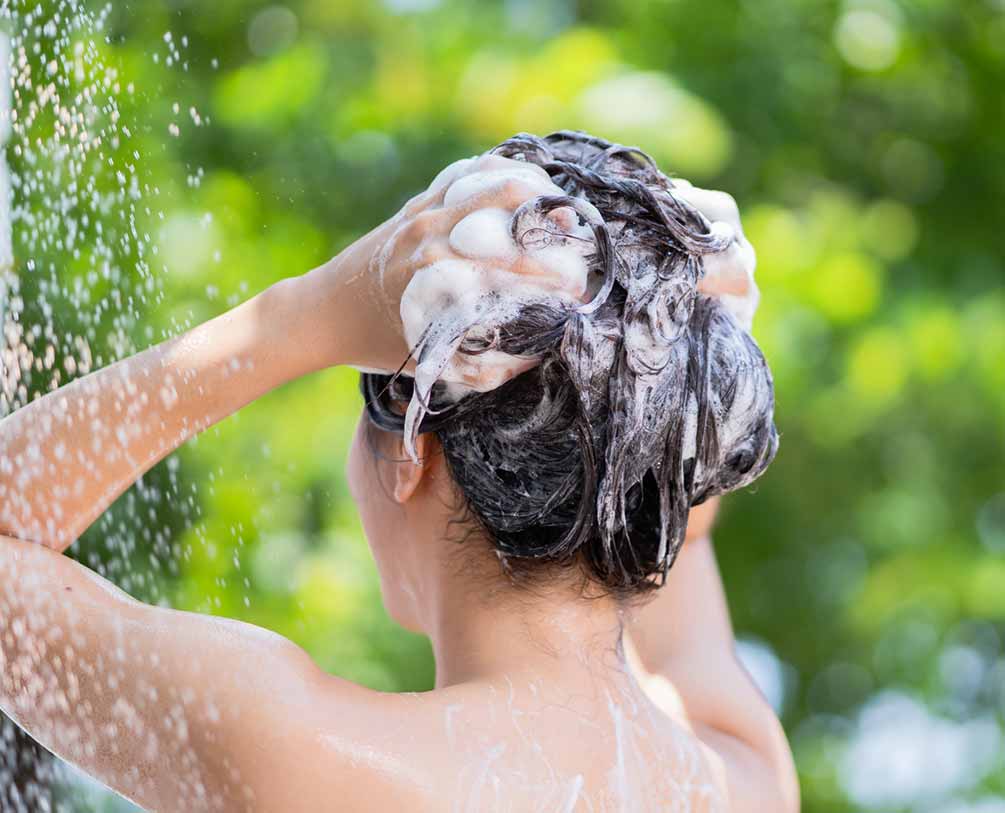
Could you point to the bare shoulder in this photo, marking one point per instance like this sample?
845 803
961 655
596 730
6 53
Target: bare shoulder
177 710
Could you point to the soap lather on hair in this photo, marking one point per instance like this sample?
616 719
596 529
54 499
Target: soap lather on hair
454 300
625 299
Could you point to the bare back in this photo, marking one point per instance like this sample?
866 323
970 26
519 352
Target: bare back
232 717
532 745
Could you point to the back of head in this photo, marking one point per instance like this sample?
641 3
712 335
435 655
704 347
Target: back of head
647 402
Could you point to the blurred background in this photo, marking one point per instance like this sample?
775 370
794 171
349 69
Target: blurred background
243 142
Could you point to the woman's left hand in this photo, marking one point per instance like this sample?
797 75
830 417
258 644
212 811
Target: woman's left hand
701 519
729 274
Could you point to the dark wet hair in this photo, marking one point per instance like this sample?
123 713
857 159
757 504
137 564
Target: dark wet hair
647 402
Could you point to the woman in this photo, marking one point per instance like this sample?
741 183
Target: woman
523 504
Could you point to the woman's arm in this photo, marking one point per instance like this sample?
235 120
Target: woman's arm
65 457
682 647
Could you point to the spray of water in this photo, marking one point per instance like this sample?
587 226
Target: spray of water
79 269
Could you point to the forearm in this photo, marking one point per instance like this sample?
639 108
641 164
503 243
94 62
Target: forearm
690 612
65 457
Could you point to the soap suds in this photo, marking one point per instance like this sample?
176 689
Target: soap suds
507 260
453 300
466 186
485 234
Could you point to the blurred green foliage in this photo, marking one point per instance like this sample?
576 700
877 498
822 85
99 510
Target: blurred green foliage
863 141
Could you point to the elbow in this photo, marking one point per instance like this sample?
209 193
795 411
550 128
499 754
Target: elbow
755 778
765 736
764 777
788 793
19 537
779 767
784 769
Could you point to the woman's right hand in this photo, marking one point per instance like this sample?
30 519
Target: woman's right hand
363 286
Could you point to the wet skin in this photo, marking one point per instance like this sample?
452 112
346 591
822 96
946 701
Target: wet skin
545 701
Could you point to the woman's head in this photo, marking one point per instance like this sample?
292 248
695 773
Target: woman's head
648 401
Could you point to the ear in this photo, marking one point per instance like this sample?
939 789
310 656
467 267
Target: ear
408 475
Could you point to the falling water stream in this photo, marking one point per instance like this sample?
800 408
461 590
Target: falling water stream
78 272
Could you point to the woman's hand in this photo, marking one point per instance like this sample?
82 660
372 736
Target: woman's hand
729 274
357 296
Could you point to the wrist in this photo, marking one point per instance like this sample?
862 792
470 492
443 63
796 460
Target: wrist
701 519
352 318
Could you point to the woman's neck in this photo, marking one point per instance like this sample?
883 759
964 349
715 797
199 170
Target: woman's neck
476 639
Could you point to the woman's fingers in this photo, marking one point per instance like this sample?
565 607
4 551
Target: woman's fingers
489 371
453 253
433 195
494 191
554 269
729 274
715 205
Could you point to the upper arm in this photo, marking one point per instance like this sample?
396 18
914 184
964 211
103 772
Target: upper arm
730 717
685 638
174 710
